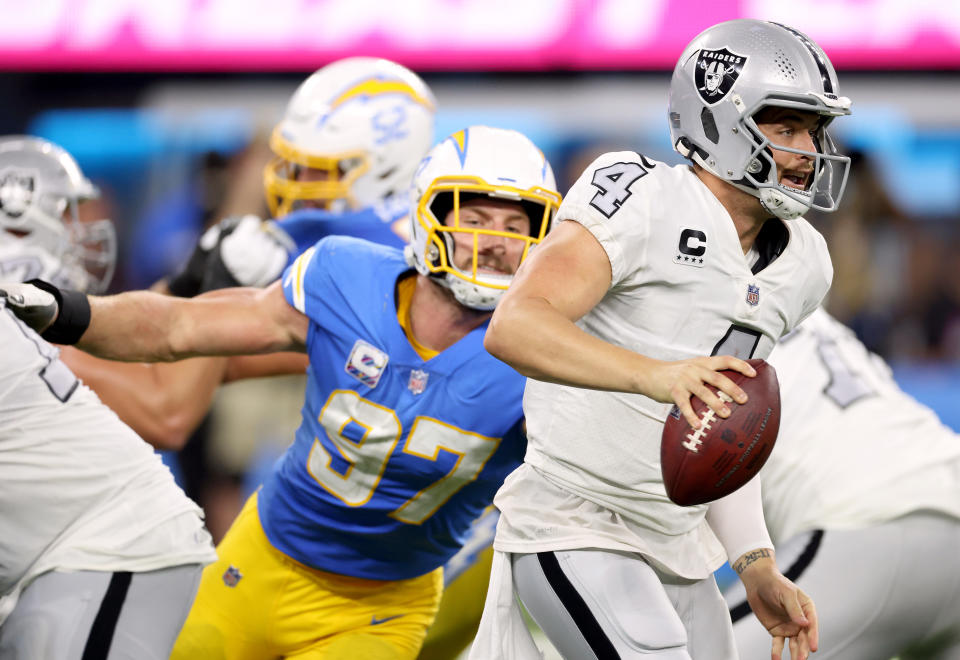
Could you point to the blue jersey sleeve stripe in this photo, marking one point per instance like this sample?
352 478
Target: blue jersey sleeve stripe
297 274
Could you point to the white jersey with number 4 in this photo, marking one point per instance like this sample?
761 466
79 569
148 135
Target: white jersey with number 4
79 490
681 287
854 450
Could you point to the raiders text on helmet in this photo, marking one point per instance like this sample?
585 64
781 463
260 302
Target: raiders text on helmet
477 161
362 124
724 77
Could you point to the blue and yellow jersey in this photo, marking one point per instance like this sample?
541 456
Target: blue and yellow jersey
396 455
307 226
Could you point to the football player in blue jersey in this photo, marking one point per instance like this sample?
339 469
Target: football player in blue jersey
346 150
345 153
408 427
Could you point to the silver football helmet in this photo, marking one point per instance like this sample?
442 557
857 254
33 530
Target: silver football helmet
477 161
362 124
41 234
727 74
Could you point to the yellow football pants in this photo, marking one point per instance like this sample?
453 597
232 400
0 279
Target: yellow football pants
279 608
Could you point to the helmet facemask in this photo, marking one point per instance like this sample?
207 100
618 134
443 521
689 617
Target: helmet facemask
330 187
823 189
474 285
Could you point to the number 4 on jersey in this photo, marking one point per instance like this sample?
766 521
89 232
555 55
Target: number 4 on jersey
614 182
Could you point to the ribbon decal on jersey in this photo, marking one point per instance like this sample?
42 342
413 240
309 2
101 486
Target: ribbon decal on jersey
716 72
366 363
418 381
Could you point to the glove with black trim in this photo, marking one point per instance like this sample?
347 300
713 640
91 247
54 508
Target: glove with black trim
188 281
254 253
31 304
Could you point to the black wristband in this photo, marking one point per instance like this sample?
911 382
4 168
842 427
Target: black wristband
73 318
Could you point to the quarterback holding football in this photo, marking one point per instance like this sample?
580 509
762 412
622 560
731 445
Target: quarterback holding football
654 281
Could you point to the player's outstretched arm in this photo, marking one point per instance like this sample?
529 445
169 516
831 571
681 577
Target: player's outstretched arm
148 327
164 403
783 609
533 329
143 326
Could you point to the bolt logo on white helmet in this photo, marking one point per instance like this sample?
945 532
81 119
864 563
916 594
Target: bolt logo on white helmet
728 74
480 163
351 137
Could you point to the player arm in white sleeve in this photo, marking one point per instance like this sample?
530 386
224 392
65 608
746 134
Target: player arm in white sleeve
782 607
533 330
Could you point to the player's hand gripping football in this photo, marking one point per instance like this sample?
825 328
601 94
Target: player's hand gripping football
32 305
781 606
677 381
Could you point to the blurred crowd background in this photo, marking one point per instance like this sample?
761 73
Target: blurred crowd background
168 109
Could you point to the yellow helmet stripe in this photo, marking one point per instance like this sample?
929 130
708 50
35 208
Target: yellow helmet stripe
378 86
459 140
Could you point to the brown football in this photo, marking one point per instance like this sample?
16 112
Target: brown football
724 454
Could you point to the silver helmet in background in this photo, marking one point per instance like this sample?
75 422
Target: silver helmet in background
41 232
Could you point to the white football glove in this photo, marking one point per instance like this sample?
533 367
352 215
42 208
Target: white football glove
32 305
256 252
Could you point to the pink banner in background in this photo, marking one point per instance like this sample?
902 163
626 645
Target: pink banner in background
434 35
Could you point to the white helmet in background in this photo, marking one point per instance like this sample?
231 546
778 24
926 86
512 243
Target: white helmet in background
364 123
727 74
41 235
477 161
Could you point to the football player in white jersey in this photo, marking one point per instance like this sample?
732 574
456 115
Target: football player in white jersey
100 551
862 500
656 278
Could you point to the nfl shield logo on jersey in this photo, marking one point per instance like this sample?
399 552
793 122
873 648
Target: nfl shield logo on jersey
753 295
366 363
418 381
231 576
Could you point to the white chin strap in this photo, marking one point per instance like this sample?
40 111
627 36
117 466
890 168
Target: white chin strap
472 295
781 205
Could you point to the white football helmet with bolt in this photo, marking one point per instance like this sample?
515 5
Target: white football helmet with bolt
361 125
477 161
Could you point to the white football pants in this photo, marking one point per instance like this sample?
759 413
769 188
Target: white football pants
878 591
607 605
97 615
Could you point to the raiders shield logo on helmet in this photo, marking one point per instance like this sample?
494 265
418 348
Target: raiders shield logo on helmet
16 192
715 73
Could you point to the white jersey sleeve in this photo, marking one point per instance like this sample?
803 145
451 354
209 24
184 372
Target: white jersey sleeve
79 490
854 449
596 198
